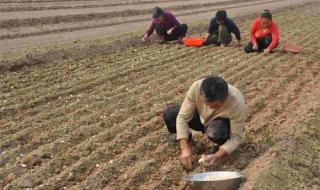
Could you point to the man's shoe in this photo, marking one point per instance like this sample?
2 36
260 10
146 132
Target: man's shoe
162 42
179 41
172 139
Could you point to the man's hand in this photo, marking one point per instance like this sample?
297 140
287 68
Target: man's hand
239 43
169 32
255 46
212 159
206 37
144 38
266 51
186 154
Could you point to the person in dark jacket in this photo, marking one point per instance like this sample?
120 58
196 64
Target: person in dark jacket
166 26
220 29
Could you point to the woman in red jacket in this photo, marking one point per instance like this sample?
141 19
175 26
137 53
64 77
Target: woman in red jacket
264 34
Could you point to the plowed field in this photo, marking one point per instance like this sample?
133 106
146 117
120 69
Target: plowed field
93 120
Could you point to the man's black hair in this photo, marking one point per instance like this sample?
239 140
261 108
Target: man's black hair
266 14
157 12
214 88
221 15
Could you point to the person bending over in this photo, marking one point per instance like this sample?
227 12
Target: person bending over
215 108
264 36
220 29
166 26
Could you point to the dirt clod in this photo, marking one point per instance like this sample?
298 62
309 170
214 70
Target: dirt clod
25 183
9 178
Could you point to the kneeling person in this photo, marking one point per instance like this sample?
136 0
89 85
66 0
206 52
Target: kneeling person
166 26
220 29
213 107
264 34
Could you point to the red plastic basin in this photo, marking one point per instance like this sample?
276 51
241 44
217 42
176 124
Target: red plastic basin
193 42
292 48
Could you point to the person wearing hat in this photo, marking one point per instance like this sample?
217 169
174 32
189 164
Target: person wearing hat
264 36
213 107
220 29
166 26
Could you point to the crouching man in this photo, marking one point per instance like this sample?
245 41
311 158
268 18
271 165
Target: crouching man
215 108
220 29
166 26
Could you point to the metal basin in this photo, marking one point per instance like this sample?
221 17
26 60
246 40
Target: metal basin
215 180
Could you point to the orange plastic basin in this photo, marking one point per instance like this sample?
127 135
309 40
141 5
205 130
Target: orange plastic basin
193 42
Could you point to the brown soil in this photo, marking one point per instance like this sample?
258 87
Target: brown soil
87 116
